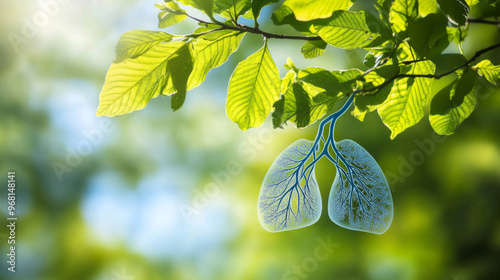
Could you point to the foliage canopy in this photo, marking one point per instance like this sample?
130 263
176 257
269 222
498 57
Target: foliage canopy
404 43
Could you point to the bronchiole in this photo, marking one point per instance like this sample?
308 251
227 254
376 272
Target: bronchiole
360 197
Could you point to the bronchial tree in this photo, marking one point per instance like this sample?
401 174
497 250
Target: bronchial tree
404 41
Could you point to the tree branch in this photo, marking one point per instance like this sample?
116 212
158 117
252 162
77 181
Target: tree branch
485 21
267 35
255 30
431 76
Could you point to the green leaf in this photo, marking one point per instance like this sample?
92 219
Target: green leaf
130 85
312 49
348 30
232 9
493 3
406 53
404 107
253 89
180 67
284 15
300 108
373 99
277 115
287 81
291 66
448 61
453 104
383 31
296 107
134 43
457 11
379 55
207 6
257 6
457 34
333 83
401 13
426 7
472 2
379 76
368 103
384 7
167 19
306 10
205 28
170 14
489 71
433 40
211 51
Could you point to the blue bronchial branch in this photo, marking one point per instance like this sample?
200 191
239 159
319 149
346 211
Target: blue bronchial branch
329 142
360 197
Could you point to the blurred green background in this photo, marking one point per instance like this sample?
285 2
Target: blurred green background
133 197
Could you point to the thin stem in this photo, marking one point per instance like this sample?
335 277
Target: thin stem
278 36
255 30
197 19
484 21
432 76
472 59
408 62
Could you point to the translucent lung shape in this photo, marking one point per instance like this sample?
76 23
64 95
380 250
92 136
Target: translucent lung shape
360 198
290 197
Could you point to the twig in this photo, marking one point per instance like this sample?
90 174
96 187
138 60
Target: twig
255 30
431 76
267 35
485 21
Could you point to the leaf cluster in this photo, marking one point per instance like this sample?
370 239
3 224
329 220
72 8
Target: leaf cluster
404 42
